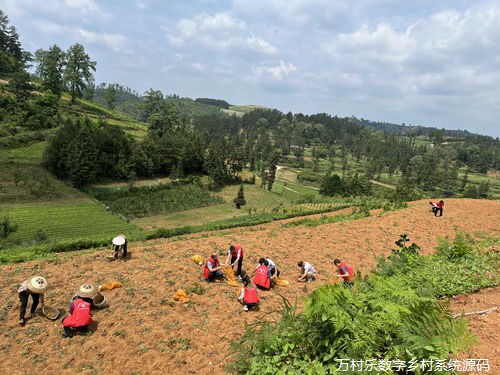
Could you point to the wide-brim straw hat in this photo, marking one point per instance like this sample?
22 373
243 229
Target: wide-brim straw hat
87 290
119 240
37 284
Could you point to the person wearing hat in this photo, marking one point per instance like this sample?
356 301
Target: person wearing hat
34 287
212 270
80 311
120 243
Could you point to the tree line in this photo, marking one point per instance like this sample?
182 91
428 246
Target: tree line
188 136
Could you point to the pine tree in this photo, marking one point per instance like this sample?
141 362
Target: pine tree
240 198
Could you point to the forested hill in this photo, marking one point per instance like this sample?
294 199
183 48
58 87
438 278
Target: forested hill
180 137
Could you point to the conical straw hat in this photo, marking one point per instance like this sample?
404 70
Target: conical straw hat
119 240
87 290
37 284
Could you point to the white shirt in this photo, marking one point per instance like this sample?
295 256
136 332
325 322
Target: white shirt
309 268
271 265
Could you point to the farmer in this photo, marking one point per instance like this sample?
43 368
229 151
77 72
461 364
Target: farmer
120 244
346 272
440 207
34 287
79 310
249 296
212 270
307 272
434 207
262 277
274 272
235 254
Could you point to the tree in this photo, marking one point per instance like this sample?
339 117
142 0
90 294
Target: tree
240 198
78 71
20 86
110 96
331 185
272 164
83 156
50 68
12 56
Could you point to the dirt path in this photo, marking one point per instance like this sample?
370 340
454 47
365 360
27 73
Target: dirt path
144 331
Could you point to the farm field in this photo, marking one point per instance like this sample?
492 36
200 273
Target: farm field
63 220
144 331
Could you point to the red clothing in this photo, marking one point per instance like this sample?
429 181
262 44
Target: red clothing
261 277
342 267
251 295
80 316
234 253
440 204
206 270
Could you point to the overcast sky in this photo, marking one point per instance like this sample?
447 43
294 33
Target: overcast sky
427 62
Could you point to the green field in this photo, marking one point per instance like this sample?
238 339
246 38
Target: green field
63 220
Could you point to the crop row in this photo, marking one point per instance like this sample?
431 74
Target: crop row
63 222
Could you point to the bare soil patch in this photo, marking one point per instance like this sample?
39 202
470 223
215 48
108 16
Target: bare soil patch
144 331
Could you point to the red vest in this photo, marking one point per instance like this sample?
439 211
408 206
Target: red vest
206 270
261 277
350 272
234 253
80 316
251 295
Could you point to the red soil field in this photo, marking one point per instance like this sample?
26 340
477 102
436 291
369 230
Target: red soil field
144 331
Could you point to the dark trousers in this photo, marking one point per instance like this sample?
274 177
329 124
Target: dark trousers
68 331
212 276
121 247
23 297
440 210
240 263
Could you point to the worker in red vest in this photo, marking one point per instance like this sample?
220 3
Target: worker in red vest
212 270
440 207
249 296
345 272
262 275
79 317
235 254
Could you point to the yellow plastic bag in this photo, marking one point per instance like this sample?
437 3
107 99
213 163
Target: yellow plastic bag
181 295
279 282
110 286
198 259
231 279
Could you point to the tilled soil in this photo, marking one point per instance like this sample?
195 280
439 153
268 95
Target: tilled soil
144 331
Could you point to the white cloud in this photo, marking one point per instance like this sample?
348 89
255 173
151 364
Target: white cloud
83 6
220 31
277 72
113 41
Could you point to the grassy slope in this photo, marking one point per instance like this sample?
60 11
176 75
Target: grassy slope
35 201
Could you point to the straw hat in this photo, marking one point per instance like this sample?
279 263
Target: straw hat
87 290
119 240
37 284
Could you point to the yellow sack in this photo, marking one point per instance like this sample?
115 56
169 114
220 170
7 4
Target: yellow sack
279 282
231 279
110 286
181 295
198 259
